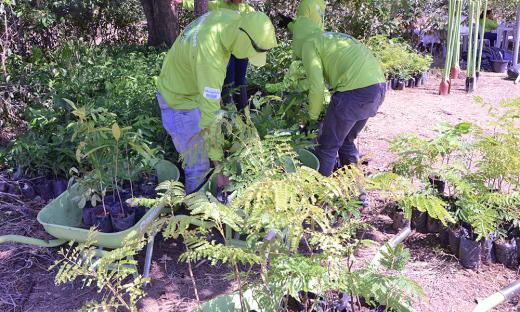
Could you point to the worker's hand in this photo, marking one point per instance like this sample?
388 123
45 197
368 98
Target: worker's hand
223 181
284 20
176 2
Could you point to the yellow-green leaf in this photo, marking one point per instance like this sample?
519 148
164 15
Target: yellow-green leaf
116 131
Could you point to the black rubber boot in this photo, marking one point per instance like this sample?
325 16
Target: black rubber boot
227 97
241 98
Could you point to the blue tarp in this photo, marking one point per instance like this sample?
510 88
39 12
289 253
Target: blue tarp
488 54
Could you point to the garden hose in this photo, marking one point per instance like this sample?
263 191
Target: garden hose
399 237
497 298
31 240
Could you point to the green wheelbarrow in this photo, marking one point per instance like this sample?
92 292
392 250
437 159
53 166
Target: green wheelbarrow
62 218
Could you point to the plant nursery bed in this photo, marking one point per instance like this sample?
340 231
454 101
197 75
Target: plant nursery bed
27 285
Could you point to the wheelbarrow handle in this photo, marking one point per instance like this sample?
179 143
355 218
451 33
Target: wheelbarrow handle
31 241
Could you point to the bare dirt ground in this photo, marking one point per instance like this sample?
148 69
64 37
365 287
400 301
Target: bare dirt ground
27 285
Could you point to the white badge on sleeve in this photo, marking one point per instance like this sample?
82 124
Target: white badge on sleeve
211 93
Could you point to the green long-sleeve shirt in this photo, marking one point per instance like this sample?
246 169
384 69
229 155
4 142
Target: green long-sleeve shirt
314 9
490 24
338 58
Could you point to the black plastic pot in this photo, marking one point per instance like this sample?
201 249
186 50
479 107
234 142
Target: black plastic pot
122 221
454 237
148 189
418 80
400 85
394 82
411 83
100 220
46 191
517 240
399 220
139 212
425 77
499 66
27 191
488 252
506 253
433 225
444 236
470 84
87 217
4 186
469 253
437 183
418 219
59 187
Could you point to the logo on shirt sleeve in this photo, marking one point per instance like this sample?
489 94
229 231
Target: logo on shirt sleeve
211 93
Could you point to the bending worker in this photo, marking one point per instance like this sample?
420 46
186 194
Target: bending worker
189 86
236 68
357 79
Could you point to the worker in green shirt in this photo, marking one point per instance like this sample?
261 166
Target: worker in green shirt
190 83
358 82
314 9
237 68
490 24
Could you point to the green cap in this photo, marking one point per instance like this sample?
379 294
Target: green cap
255 35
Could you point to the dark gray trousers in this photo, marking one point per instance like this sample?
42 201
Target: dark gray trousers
346 116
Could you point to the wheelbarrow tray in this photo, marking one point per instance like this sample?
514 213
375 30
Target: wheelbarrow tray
62 218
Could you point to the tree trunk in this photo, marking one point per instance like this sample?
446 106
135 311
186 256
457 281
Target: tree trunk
201 7
162 21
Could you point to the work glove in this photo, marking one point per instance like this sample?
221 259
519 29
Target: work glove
284 20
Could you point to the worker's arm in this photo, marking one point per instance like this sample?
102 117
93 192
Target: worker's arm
314 71
209 82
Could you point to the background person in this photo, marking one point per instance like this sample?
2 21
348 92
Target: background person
189 86
314 9
491 24
237 68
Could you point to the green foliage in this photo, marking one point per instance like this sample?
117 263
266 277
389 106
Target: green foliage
106 153
480 169
118 80
397 58
426 202
424 16
361 18
110 271
278 60
421 157
504 10
282 206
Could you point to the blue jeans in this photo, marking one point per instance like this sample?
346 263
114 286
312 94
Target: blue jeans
182 125
346 116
